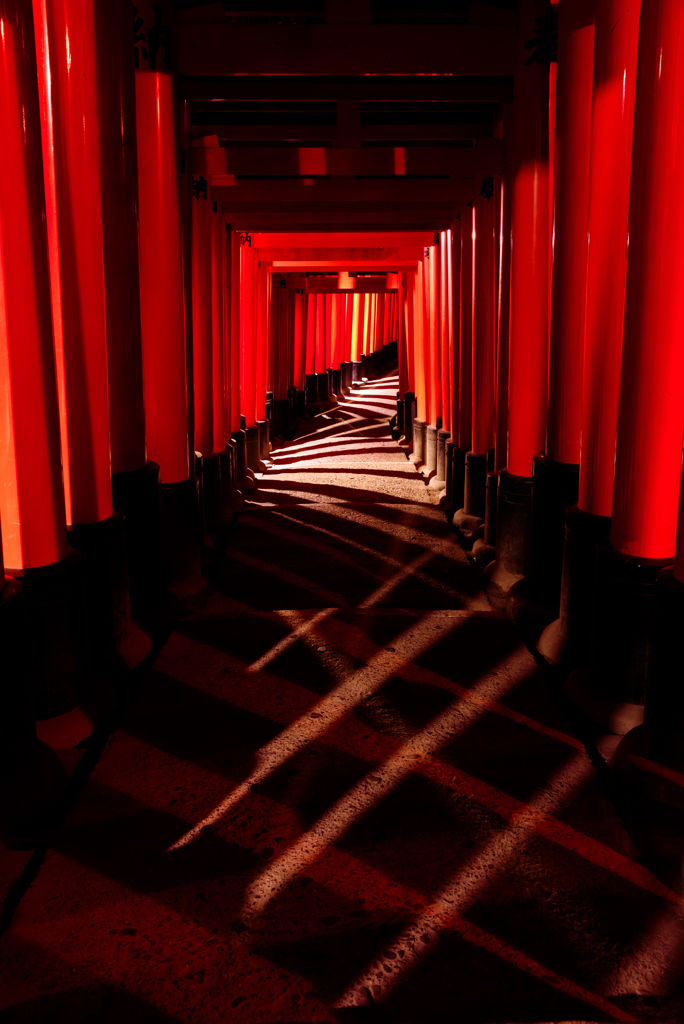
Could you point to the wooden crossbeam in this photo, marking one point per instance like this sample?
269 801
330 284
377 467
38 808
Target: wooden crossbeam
317 160
330 88
249 49
342 190
327 133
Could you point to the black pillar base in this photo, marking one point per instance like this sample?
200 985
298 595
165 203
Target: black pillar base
136 494
323 386
419 442
566 641
612 690
181 535
264 441
337 383
311 388
211 487
114 642
457 471
429 470
554 487
475 485
346 372
664 703
300 404
512 529
356 368
32 777
409 415
57 662
439 482
253 449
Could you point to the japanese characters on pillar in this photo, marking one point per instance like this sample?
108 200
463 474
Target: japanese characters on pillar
67 76
160 251
483 317
571 209
529 316
119 170
31 491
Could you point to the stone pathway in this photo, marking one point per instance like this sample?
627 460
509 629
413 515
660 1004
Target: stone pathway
344 792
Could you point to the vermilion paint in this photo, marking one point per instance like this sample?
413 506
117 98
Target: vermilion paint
67 77
455 338
615 66
571 210
235 355
219 397
299 339
262 384
335 324
31 491
529 324
651 409
320 334
433 267
247 332
420 383
161 276
202 323
466 329
118 150
503 325
310 333
445 327
483 324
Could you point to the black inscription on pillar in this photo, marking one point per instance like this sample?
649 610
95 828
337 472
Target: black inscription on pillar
426 252
544 44
214 205
487 187
435 238
199 188
283 282
148 40
246 239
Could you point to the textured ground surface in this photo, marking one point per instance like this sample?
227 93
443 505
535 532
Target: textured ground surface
345 792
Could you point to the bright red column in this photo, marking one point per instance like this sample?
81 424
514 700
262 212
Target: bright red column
31 491
161 275
299 338
483 322
615 67
234 310
571 209
67 76
445 327
310 333
434 335
503 326
651 408
529 323
336 322
118 150
465 429
247 332
455 320
219 382
320 334
420 383
202 317
262 384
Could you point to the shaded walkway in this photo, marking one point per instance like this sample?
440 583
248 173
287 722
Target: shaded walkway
344 793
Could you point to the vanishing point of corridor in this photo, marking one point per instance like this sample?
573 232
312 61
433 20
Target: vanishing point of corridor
344 791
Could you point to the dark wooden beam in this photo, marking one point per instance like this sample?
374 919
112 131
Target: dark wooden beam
305 217
327 133
347 49
330 88
315 160
345 190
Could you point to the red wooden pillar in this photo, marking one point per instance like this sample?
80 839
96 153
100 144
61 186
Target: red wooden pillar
556 472
651 405
465 419
67 74
162 293
529 318
455 456
202 318
420 380
483 349
299 339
